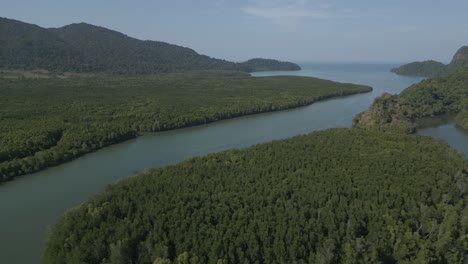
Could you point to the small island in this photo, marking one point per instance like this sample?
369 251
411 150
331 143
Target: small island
258 65
423 69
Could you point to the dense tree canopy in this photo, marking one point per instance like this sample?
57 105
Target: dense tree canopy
432 97
44 122
335 196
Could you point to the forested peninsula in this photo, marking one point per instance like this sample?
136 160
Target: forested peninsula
433 97
334 196
88 48
48 121
433 68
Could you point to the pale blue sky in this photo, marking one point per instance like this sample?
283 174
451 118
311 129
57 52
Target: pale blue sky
296 30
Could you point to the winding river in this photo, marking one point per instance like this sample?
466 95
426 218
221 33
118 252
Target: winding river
29 205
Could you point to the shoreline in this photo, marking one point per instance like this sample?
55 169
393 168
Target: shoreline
196 122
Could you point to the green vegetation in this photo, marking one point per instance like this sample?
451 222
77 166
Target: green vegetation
460 59
432 68
462 119
385 115
334 196
425 69
258 65
432 97
87 48
44 122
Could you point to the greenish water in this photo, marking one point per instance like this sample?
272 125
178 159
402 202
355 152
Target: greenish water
32 203
445 128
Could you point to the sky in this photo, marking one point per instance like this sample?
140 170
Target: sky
294 30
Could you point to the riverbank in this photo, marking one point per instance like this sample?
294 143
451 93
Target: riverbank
46 122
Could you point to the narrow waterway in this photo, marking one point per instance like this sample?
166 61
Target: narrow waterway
29 205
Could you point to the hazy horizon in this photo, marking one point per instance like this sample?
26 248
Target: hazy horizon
294 30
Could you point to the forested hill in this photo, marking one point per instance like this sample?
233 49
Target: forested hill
27 46
334 196
432 68
432 97
420 68
460 59
88 48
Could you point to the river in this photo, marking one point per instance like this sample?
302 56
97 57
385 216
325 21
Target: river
29 205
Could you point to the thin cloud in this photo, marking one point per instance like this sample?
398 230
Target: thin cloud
402 29
218 3
287 13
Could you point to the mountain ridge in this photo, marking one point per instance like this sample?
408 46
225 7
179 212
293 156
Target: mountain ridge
83 47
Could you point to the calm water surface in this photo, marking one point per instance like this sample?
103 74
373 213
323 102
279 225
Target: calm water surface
446 129
29 205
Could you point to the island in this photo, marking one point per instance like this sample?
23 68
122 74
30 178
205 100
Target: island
423 69
334 196
258 65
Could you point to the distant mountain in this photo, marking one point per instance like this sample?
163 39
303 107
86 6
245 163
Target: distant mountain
424 68
87 48
432 68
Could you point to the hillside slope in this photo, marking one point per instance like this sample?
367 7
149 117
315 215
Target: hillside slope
29 46
460 59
